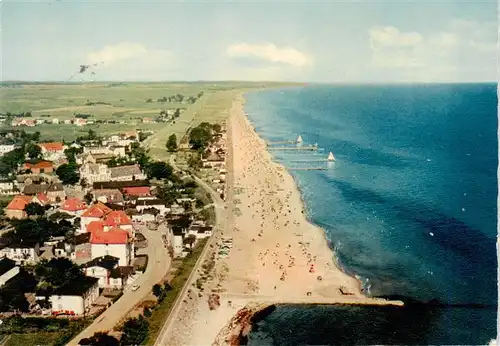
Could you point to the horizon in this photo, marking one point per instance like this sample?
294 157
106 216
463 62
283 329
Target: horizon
397 42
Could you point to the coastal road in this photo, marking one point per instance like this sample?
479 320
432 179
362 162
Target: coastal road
158 265
164 334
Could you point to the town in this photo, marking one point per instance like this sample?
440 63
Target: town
83 220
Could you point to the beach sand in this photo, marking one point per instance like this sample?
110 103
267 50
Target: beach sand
277 255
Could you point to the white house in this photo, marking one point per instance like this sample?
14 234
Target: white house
157 204
5 148
95 212
115 242
21 253
8 270
53 151
76 297
7 188
200 232
93 172
55 121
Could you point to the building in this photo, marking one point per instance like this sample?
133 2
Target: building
108 272
145 215
95 212
55 192
40 167
73 206
157 204
137 191
6 148
8 270
127 173
119 184
7 188
118 218
177 236
108 196
114 241
77 249
15 209
53 151
25 253
75 297
200 232
93 172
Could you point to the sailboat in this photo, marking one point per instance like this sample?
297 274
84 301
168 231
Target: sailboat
299 139
331 157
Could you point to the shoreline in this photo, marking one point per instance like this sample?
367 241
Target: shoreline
278 255
307 217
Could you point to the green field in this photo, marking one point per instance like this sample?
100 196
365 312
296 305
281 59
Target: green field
125 102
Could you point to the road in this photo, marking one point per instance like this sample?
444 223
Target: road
158 265
219 205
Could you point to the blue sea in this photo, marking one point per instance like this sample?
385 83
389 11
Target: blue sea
409 207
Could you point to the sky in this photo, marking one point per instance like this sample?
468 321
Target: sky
305 41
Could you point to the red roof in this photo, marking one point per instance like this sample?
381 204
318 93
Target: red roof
73 204
19 202
42 197
117 218
115 235
95 226
52 146
41 164
137 191
97 210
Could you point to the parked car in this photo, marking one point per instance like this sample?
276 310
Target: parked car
135 287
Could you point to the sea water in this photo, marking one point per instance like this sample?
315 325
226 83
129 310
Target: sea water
409 207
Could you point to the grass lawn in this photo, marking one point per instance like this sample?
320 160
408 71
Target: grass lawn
160 313
32 339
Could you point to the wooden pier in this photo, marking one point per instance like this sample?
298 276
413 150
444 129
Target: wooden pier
303 148
281 142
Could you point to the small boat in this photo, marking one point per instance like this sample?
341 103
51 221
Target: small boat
331 157
299 139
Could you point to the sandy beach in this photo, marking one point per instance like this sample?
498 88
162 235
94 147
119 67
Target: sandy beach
277 255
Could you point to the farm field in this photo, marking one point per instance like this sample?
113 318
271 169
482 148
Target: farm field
124 103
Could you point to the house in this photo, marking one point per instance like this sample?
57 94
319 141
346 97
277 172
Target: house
107 271
113 241
146 120
55 192
145 215
55 121
6 148
67 121
15 209
79 122
21 253
7 188
177 236
33 189
39 167
93 172
119 184
95 212
53 151
118 218
213 161
75 297
73 206
127 173
137 191
200 232
76 249
157 204
108 196
118 150
8 270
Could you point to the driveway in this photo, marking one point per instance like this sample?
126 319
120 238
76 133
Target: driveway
158 265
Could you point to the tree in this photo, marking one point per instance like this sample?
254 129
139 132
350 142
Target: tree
149 100
34 151
34 209
177 113
200 136
57 271
172 143
135 331
68 174
159 170
157 290
88 198
99 339
217 128
194 161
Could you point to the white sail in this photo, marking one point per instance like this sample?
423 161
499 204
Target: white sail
299 139
331 157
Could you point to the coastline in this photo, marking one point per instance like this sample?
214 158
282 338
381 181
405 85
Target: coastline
284 260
